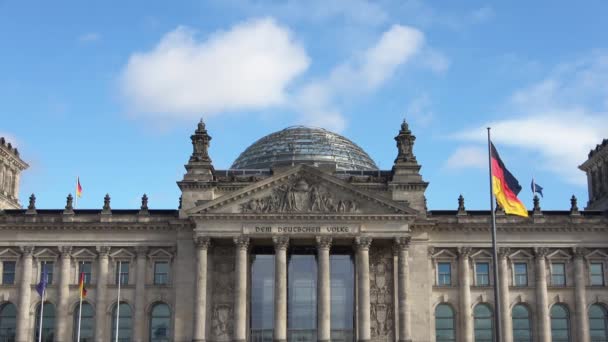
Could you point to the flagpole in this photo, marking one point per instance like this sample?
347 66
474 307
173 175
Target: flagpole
80 309
42 303
118 301
76 199
497 318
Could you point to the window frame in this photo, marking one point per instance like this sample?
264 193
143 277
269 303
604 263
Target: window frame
530 321
3 272
559 256
170 319
454 322
515 274
597 256
552 273
118 272
45 262
443 255
568 321
482 256
168 273
602 273
477 274
79 263
491 318
439 274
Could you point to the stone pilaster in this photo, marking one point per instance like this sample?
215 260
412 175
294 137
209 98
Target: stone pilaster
101 300
542 302
25 287
464 282
240 288
323 289
503 279
61 330
363 243
402 245
580 300
140 295
280 288
200 304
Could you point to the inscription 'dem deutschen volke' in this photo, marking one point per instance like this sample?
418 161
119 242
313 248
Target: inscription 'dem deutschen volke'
300 229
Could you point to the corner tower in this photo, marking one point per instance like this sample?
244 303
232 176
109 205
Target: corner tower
11 166
596 168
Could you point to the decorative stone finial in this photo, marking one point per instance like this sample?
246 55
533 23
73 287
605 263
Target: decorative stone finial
405 144
200 144
69 207
180 203
106 204
31 208
536 201
461 208
574 206
499 209
143 210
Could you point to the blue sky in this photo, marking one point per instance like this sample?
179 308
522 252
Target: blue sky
111 91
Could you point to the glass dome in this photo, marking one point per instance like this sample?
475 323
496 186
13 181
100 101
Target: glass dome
304 145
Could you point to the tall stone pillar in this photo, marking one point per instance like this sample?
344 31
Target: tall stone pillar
200 304
140 295
580 300
323 289
362 243
464 282
280 288
240 289
542 302
25 290
405 331
507 322
101 300
61 320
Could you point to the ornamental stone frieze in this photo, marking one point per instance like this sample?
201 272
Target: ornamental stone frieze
222 300
381 293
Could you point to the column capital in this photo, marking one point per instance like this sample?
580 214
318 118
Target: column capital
241 241
142 251
104 251
323 242
541 252
402 242
202 242
363 242
27 250
66 251
579 252
280 242
503 252
465 252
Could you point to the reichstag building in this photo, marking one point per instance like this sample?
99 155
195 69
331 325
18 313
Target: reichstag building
302 239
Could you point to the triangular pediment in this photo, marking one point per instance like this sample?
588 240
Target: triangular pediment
122 253
84 253
481 254
9 253
160 254
520 254
558 254
46 253
302 190
444 254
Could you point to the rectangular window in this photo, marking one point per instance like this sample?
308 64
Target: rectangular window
122 272
161 273
444 274
8 272
597 274
482 274
48 266
521 274
85 267
558 274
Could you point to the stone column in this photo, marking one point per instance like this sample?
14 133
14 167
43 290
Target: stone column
323 289
464 282
25 289
101 300
580 300
401 245
503 272
240 289
542 302
280 288
140 295
61 319
362 243
200 304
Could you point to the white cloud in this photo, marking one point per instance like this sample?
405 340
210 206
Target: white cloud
364 73
468 157
560 118
419 110
89 37
249 66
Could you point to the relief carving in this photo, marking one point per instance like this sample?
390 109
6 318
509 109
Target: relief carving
223 291
381 293
300 196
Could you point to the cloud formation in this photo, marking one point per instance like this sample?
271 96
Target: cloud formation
468 157
249 66
560 118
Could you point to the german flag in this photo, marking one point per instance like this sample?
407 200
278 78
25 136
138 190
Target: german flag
505 186
83 290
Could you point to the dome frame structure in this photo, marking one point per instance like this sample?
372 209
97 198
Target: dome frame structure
304 145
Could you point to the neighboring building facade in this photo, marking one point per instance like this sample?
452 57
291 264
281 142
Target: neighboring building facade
303 239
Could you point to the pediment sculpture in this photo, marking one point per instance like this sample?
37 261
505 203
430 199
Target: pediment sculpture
300 196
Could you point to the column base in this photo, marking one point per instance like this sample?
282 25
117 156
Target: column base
405 340
323 340
198 340
364 340
243 340
279 340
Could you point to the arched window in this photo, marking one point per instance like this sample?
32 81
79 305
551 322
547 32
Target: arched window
48 322
87 323
444 324
522 331
8 322
160 323
598 323
560 324
483 323
125 323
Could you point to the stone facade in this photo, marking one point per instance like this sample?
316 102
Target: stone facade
408 261
596 168
11 166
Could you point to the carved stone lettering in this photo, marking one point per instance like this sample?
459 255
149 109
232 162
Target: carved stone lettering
301 196
381 293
